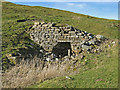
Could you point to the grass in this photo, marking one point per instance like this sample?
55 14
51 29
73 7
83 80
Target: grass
100 70
31 71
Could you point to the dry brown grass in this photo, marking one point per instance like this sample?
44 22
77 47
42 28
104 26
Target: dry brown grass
29 72
33 71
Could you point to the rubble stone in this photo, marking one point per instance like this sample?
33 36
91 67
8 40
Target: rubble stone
47 35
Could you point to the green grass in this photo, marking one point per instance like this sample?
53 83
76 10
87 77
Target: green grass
100 72
14 37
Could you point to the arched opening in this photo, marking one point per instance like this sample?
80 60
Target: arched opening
62 49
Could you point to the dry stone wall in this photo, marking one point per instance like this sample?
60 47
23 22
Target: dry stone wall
48 35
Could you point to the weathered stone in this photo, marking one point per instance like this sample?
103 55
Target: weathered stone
69 52
36 23
95 51
45 25
113 42
56 59
48 35
42 23
100 37
85 47
48 59
92 41
82 56
72 56
90 37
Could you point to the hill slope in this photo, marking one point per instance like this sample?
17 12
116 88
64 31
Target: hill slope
101 74
17 19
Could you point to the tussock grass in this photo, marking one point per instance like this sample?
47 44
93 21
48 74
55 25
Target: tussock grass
101 71
33 71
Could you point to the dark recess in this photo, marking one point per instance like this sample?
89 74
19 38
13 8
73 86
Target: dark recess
61 49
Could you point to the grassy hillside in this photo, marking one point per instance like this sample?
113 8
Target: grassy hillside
14 38
100 72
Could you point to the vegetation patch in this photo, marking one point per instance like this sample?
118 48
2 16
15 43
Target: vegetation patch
93 70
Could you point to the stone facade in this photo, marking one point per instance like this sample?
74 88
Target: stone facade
48 35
